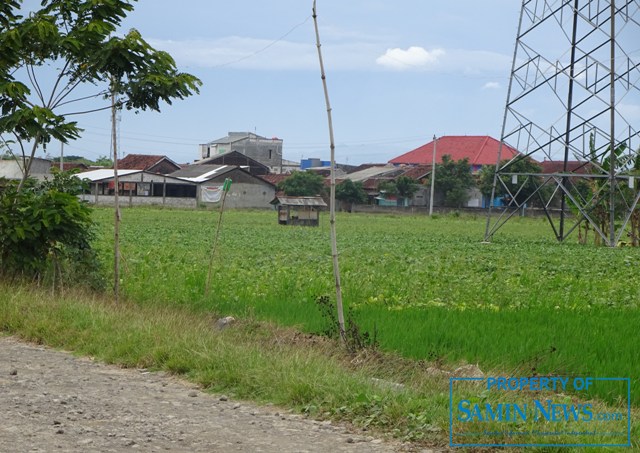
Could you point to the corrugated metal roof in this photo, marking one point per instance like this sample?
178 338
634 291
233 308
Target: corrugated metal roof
105 173
300 201
372 172
201 173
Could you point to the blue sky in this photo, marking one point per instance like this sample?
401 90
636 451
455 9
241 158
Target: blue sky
398 73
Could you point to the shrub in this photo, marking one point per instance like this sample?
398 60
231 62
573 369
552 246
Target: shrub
46 232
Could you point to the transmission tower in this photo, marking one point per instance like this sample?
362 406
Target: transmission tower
574 100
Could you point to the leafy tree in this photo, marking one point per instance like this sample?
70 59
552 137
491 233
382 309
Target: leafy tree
77 41
303 184
524 165
350 193
454 179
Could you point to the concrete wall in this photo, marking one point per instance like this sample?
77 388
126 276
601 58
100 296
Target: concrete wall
109 200
247 191
244 195
40 169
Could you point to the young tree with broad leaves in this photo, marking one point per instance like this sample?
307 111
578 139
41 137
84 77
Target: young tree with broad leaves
58 60
55 63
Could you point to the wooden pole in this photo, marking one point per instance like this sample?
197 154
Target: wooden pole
116 183
433 176
332 198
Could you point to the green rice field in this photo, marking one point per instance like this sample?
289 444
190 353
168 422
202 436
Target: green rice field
522 305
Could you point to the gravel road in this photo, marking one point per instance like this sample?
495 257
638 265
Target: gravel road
53 401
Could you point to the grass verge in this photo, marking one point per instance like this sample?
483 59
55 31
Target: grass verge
253 360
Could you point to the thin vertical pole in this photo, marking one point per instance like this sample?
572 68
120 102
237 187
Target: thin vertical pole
225 187
332 197
116 183
433 176
612 159
61 156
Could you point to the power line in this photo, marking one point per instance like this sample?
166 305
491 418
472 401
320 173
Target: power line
272 43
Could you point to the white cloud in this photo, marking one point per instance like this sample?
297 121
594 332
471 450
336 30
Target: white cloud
468 63
491 86
341 54
413 57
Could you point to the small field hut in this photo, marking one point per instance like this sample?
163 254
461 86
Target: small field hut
303 211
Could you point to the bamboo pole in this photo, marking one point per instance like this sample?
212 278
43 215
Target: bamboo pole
332 198
116 183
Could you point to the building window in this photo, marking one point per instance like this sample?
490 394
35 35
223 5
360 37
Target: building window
270 151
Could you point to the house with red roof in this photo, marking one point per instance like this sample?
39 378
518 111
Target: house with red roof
480 150
147 162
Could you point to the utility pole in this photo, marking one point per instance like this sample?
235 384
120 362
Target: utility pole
433 175
61 156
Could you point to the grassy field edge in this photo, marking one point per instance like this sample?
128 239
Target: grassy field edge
252 360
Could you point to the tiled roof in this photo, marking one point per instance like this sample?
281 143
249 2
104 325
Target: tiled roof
480 150
71 165
141 161
557 166
273 178
417 171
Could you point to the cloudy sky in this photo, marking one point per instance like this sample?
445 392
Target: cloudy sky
398 72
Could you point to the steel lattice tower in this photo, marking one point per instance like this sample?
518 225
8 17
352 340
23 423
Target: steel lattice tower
574 98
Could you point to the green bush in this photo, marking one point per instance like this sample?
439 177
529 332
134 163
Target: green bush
46 233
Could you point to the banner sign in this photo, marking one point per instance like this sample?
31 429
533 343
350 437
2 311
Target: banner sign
211 194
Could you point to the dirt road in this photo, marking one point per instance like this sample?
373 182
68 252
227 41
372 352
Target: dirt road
53 401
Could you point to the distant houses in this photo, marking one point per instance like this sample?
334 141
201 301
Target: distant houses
255 165
479 150
186 187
